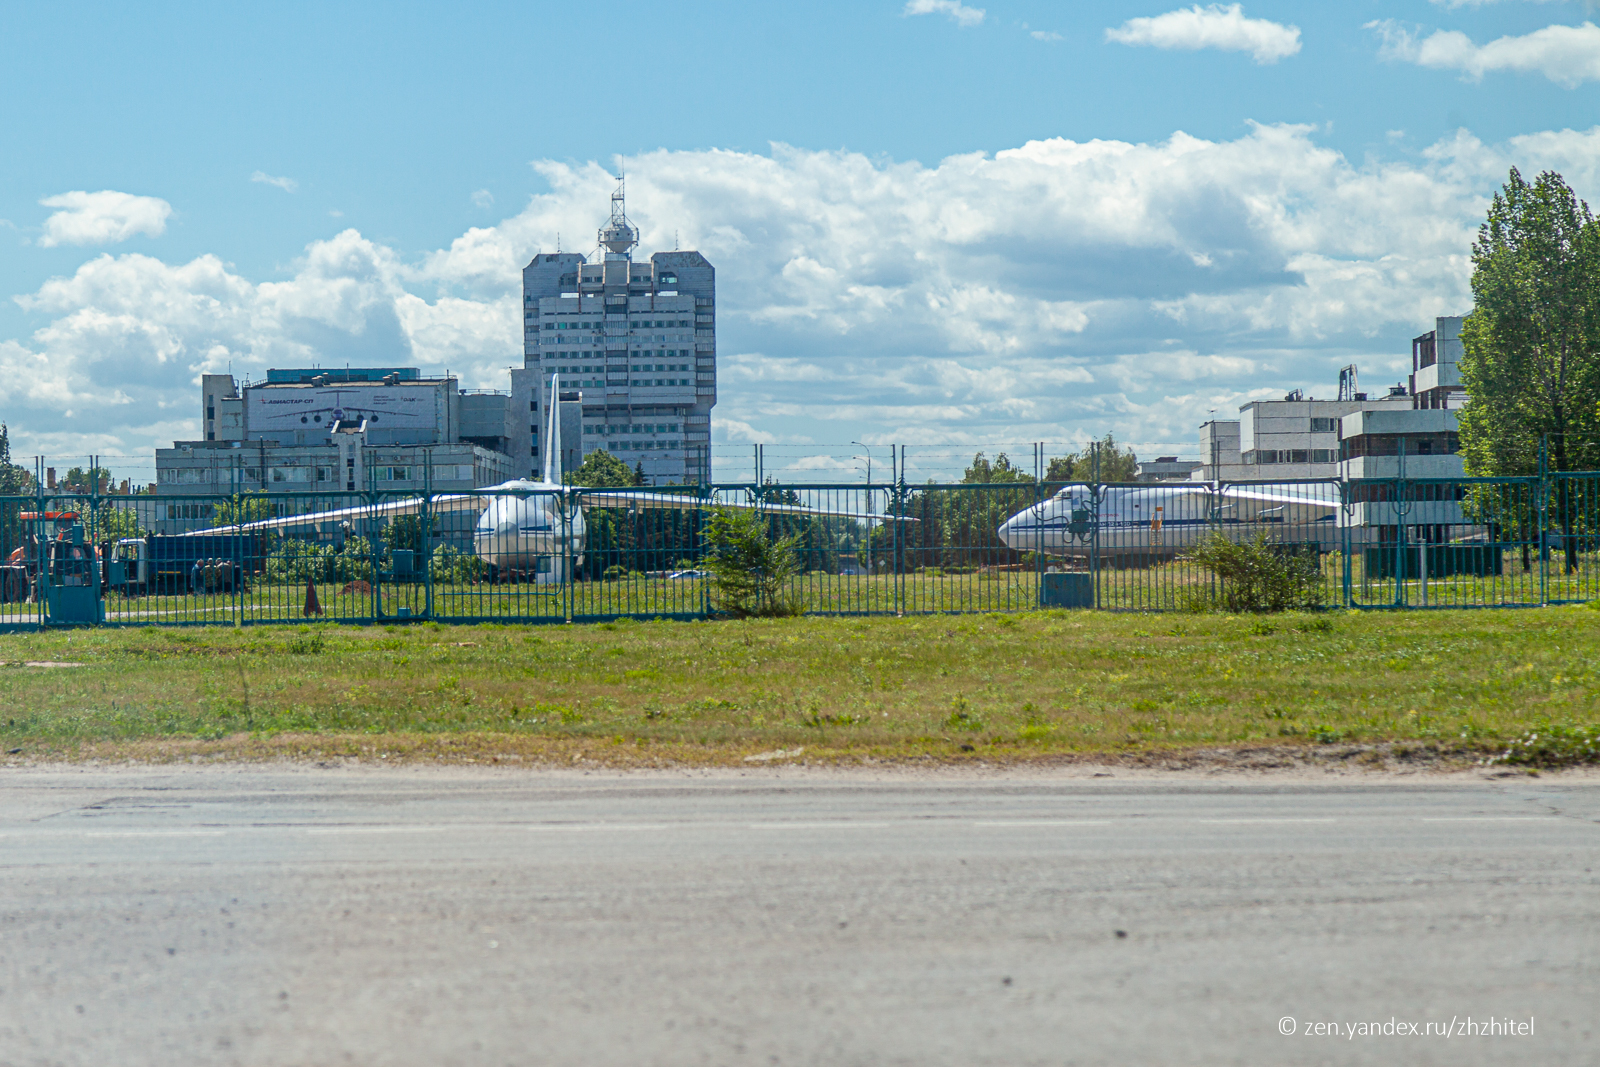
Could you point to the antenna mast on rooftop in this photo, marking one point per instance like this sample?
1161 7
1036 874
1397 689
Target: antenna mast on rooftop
619 235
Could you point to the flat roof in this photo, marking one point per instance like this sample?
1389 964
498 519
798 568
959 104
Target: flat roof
295 376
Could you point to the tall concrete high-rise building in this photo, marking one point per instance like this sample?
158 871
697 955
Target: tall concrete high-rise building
635 344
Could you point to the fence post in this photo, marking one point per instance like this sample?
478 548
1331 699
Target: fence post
569 571
1344 511
700 547
238 577
1038 525
43 550
374 550
425 532
1544 520
1402 510
899 536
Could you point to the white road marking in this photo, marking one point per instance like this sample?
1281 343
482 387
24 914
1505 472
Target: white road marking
1487 818
840 825
154 833
1043 822
373 829
1255 821
588 827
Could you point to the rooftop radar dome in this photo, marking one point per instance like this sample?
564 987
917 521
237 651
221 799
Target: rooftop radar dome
619 235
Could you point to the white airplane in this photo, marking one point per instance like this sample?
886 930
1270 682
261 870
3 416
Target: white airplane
532 528
1164 520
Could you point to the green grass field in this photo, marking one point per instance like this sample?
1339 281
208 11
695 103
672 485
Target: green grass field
991 687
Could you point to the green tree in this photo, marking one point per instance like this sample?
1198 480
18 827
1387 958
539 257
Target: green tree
1061 469
1106 461
14 480
79 480
245 507
1531 346
109 522
403 532
752 573
610 534
602 469
982 471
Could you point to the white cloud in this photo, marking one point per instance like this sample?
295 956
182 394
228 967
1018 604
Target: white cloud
483 198
733 430
1567 55
1048 292
1220 26
1045 35
960 13
102 218
288 185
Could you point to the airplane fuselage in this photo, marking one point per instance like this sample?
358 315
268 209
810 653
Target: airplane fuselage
533 534
1163 522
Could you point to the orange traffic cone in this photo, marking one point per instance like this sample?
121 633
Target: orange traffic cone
312 605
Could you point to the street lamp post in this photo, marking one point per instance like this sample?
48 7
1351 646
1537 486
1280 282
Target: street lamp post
868 451
868 553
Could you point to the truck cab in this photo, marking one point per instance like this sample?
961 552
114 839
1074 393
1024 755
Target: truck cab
130 564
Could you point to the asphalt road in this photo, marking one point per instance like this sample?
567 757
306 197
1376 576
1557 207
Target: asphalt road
403 916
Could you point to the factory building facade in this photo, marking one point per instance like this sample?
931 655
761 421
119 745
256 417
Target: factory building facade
635 347
1301 437
387 429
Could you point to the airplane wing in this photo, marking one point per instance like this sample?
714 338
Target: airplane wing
388 509
622 498
478 501
1309 494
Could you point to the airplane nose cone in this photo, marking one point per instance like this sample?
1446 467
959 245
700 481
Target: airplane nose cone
1009 529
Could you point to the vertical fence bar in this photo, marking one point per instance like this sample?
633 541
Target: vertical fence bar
425 535
42 550
1343 515
897 540
1544 521
1097 497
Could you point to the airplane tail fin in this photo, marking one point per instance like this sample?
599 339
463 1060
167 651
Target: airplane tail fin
552 440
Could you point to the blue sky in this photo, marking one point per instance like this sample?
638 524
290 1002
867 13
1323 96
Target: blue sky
955 224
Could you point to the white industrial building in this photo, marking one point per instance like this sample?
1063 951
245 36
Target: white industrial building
1410 430
1165 469
1373 438
387 429
635 347
1301 437
1418 441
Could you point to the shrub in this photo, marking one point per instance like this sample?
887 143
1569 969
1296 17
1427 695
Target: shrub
1553 745
751 574
452 565
1255 576
295 562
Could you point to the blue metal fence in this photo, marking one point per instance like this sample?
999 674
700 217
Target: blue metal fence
881 549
